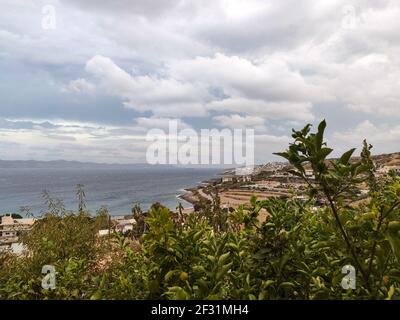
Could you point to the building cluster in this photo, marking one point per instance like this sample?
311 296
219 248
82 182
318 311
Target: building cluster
276 179
235 178
248 175
382 170
271 167
11 229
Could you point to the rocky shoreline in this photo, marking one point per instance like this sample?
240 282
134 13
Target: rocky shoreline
191 194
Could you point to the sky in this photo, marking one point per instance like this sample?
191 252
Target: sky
86 80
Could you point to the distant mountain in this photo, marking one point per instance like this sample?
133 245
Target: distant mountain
62 164
380 160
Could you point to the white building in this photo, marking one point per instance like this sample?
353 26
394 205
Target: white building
227 178
387 169
245 178
125 225
309 173
10 230
104 232
10 227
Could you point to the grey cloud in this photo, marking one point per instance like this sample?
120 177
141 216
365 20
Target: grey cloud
146 8
60 137
20 124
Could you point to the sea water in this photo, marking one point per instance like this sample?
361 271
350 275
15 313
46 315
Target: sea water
118 188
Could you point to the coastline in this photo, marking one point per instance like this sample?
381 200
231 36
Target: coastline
191 196
188 196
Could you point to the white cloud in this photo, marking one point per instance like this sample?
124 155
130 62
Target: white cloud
159 123
270 110
269 89
270 79
39 140
384 137
370 85
163 97
359 67
266 144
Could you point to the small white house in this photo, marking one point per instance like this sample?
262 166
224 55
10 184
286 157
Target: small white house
10 227
309 173
125 225
104 232
245 178
227 178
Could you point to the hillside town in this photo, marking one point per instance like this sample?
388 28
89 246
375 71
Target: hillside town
273 179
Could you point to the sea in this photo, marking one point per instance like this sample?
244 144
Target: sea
117 188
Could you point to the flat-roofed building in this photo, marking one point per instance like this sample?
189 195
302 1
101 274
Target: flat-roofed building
10 230
227 178
11 227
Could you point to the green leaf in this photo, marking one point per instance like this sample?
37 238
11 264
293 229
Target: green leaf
287 285
179 293
394 241
223 258
282 154
324 152
223 271
253 200
344 159
75 293
283 261
320 135
199 269
169 275
197 235
203 285
268 283
306 130
96 296
390 293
